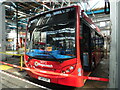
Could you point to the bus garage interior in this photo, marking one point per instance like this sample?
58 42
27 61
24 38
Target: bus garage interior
59 44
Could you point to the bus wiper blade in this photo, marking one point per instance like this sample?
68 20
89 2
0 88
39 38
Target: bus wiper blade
55 58
52 56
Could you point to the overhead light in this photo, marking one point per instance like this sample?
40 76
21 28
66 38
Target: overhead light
11 26
9 7
102 24
24 23
21 15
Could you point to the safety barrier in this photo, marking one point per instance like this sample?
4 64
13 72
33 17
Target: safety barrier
21 56
60 74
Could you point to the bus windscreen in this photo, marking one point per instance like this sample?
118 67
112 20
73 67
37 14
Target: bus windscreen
53 35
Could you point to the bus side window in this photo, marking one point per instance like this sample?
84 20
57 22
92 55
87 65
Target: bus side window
93 38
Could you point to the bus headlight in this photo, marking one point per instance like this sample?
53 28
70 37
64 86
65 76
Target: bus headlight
68 69
71 67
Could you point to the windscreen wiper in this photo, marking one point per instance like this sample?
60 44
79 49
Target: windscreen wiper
52 56
55 58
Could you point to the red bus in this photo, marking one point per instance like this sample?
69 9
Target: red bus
63 41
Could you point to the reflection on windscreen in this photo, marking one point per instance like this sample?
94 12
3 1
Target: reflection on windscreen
53 35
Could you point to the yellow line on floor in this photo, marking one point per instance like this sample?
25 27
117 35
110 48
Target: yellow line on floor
87 75
5 67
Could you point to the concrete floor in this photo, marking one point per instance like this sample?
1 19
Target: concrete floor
100 71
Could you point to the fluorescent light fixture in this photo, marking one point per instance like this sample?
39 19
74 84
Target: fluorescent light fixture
102 24
24 23
11 26
9 7
21 15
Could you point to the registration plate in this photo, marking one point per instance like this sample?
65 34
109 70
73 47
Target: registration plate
43 79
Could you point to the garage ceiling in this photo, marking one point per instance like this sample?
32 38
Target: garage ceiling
18 11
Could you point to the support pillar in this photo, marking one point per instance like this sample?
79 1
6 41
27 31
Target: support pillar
2 34
114 65
2 31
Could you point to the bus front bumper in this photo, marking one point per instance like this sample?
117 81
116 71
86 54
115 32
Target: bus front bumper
63 79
